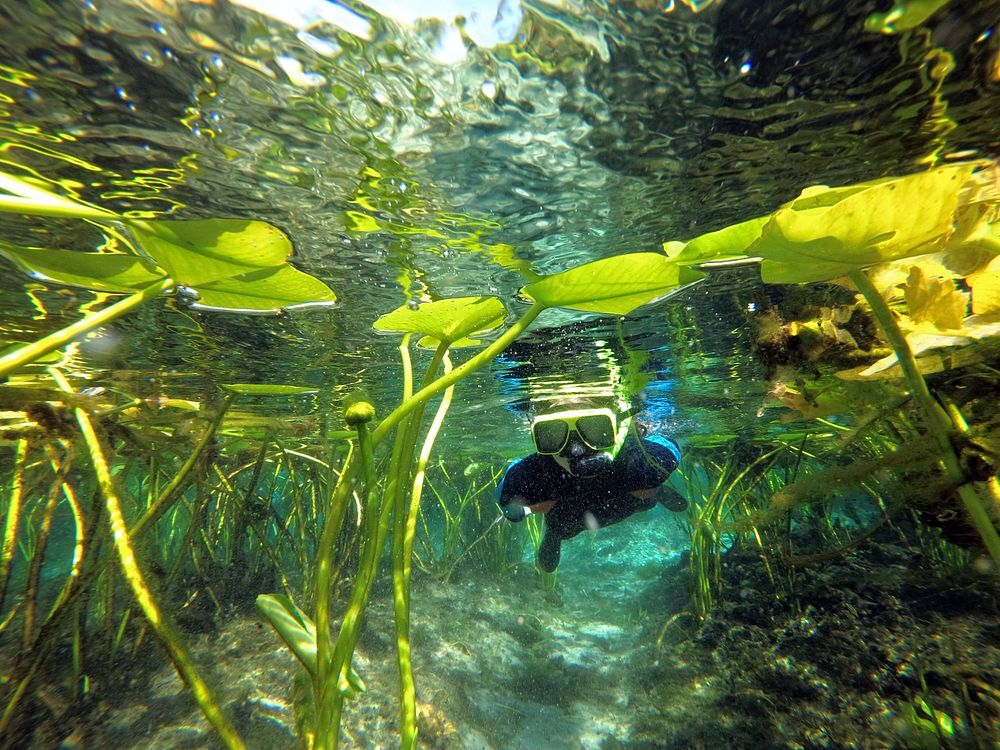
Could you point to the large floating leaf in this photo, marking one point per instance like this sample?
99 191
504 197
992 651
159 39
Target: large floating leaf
104 272
614 286
725 244
206 250
269 289
446 320
886 220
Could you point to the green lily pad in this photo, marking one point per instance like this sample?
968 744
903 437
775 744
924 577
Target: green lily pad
729 243
887 220
254 389
614 286
104 272
429 342
265 290
446 320
202 251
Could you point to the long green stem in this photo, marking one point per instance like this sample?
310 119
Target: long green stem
161 625
465 369
402 569
936 420
13 518
29 353
181 478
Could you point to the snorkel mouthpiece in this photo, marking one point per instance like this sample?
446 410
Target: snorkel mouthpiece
590 464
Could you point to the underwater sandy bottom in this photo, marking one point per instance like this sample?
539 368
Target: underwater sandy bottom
510 666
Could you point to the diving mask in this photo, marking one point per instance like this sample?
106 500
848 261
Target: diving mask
596 428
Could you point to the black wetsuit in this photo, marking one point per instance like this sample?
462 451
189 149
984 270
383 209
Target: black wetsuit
588 502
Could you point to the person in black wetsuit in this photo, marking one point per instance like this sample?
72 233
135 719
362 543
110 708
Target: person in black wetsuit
590 470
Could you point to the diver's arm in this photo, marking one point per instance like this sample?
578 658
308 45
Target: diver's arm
518 508
517 493
644 494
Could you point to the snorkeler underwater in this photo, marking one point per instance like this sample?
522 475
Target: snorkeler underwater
500 374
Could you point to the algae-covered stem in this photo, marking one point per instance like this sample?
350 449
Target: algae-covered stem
937 421
163 627
13 518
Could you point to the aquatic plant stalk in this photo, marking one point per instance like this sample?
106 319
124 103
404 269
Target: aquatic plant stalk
41 544
402 569
161 625
173 490
334 675
28 353
935 419
464 370
13 517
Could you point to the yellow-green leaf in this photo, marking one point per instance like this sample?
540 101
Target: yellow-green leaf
269 289
104 272
293 625
903 16
887 220
613 286
935 299
447 320
724 244
206 250
986 289
264 389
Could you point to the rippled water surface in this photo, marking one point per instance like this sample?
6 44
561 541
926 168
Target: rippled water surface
417 158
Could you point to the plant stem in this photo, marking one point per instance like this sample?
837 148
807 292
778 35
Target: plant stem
935 419
161 625
179 482
13 518
27 354
406 527
465 369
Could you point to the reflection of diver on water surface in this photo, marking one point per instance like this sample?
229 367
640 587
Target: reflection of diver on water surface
590 469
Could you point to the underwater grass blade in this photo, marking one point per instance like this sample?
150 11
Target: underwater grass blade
13 518
333 679
937 422
164 629
41 544
173 490
28 353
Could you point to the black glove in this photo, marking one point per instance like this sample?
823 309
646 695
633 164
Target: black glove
671 499
514 512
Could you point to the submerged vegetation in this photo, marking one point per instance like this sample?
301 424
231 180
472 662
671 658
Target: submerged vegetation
172 502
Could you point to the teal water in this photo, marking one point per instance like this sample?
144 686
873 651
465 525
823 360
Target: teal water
411 157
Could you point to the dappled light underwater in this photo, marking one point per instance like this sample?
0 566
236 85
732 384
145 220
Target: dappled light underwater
500 375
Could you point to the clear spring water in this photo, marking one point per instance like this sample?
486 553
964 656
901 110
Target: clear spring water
411 156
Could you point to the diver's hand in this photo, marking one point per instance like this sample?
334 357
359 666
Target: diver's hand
671 499
514 512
